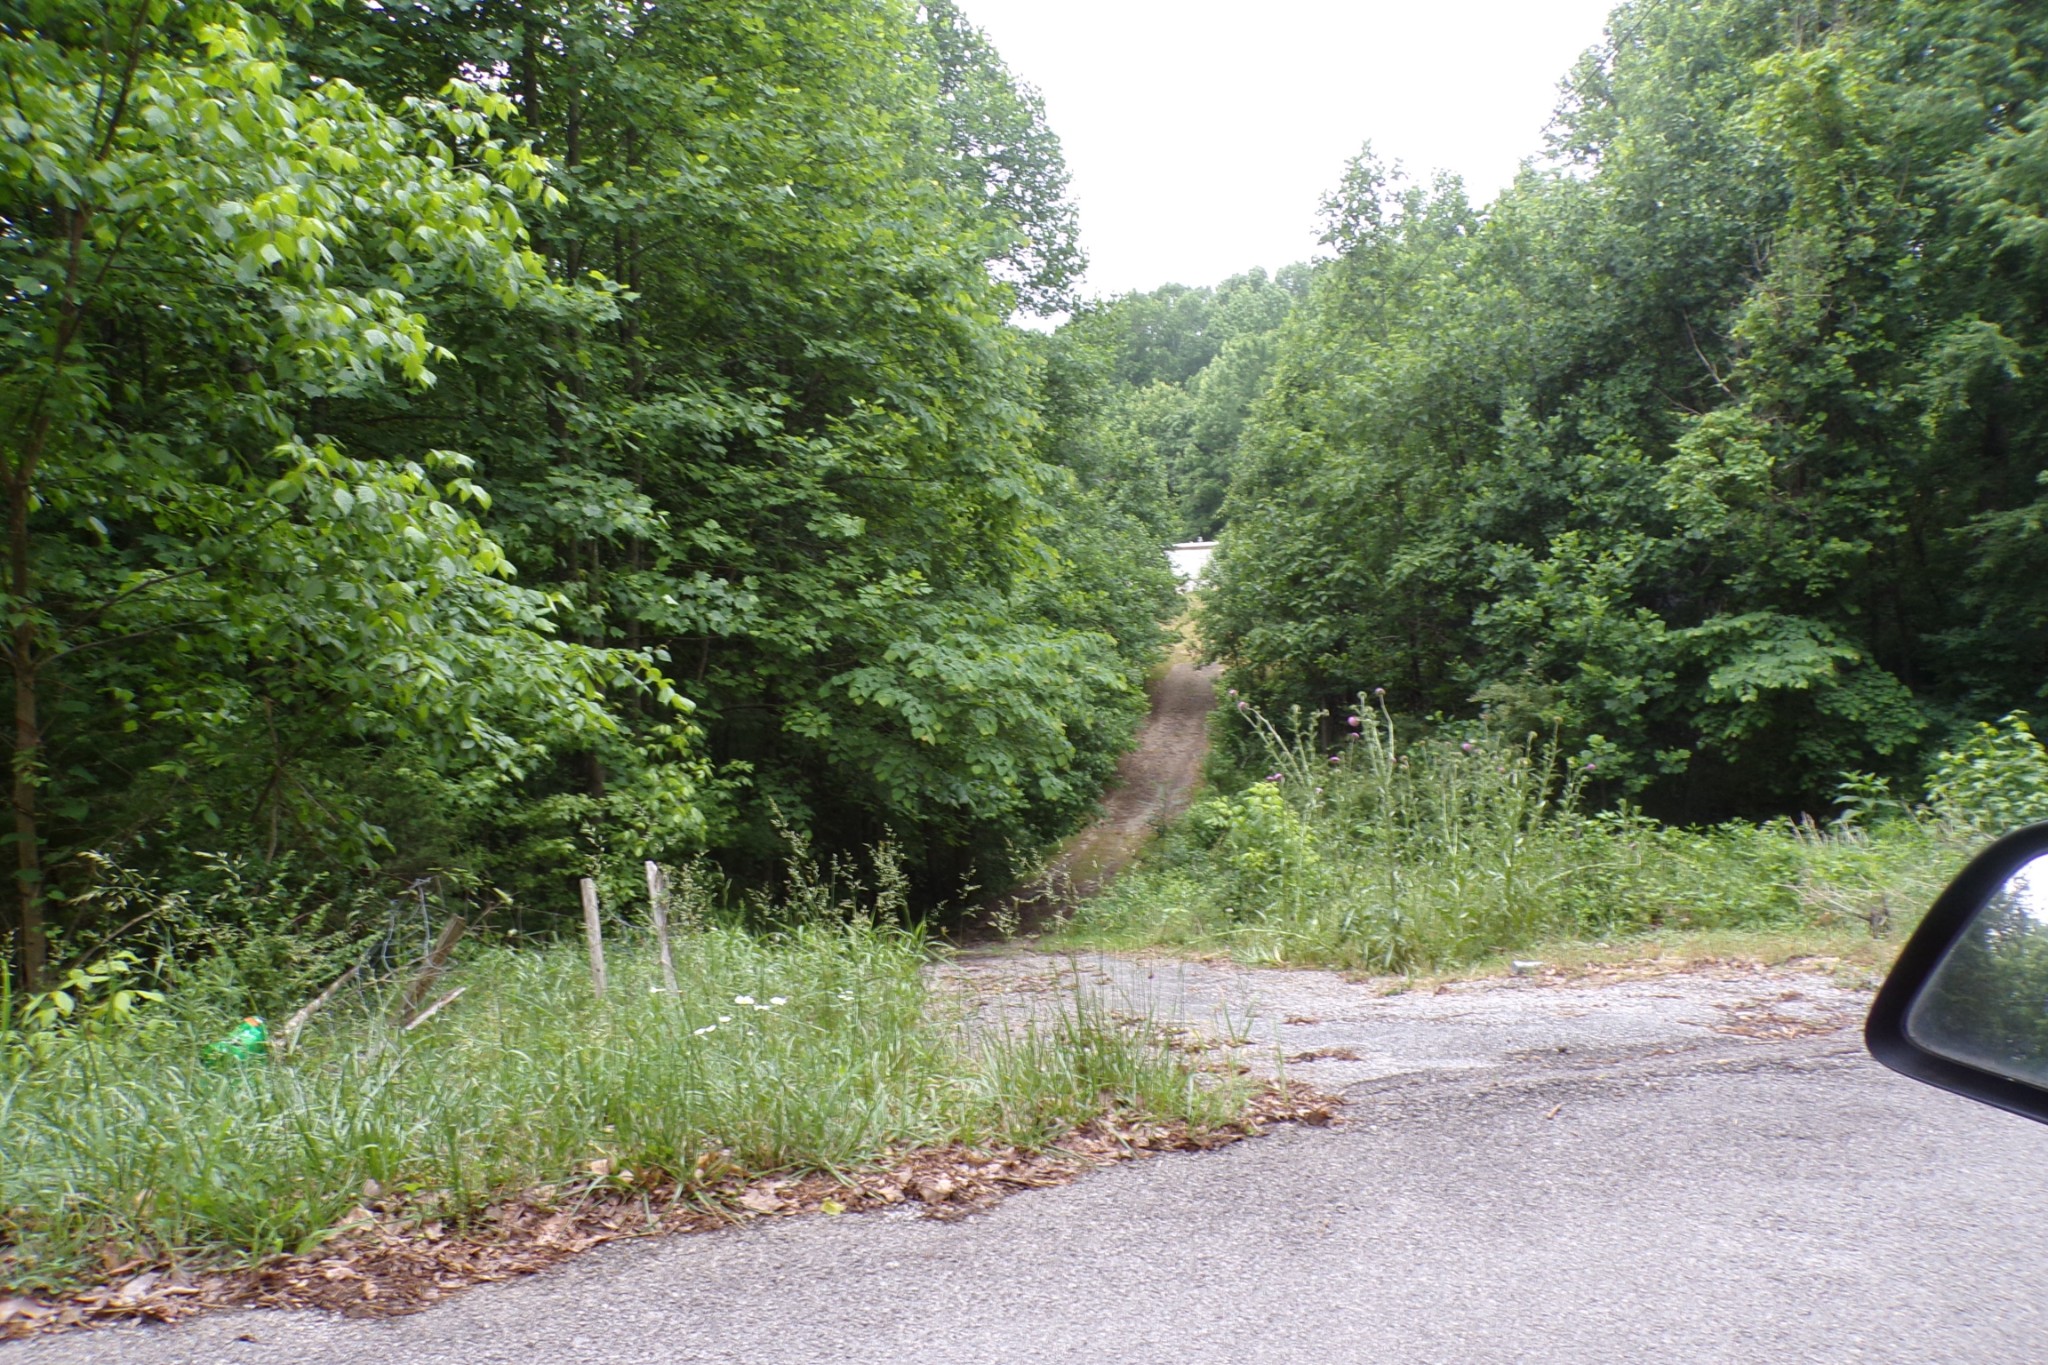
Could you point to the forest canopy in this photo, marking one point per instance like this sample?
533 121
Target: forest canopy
1714 445
503 440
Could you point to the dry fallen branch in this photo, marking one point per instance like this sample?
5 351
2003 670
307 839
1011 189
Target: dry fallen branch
430 971
435 1008
289 1037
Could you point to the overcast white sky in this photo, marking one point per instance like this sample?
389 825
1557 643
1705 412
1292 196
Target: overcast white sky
1202 135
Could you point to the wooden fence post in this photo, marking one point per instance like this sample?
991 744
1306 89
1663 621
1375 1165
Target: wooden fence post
657 900
593 934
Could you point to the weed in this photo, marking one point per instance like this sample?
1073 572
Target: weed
811 1047
1378 854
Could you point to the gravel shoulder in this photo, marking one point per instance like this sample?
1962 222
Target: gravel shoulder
1336 1032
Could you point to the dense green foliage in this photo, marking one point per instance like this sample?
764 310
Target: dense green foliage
320 320
511 438
1717 444
1187 364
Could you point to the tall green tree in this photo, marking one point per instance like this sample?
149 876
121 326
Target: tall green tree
203 247
1191 362
776 425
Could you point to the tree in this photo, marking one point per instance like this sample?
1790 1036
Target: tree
1714 446
782 431
1191 362
325 317
1003 147
204 247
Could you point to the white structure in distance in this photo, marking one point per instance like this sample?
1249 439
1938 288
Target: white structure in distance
1190 561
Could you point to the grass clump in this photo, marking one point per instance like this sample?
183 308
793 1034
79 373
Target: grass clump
815 1047
1378 855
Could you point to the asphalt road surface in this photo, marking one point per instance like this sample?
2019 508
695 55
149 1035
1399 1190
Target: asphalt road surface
1695 1168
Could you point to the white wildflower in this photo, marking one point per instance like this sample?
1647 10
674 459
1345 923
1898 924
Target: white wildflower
743 1000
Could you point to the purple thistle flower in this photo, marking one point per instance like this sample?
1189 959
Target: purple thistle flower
1466 747
1379 691
1353 721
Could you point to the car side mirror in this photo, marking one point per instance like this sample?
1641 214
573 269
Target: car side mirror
1966 1005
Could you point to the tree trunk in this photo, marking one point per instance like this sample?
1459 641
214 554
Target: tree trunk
35 941
529 79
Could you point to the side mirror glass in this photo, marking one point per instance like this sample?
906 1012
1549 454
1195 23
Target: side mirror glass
1966 1006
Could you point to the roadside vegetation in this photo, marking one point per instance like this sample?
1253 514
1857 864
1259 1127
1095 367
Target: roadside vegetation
617 455
1378 847
452 452
133 1141
1679 510
1713 446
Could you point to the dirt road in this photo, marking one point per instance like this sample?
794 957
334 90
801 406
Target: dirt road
1153 784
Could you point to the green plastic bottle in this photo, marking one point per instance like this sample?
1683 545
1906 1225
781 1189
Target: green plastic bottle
250 1042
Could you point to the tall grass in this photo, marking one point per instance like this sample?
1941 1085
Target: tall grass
1382 855
812 1048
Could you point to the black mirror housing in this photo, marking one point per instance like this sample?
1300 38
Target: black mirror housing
1890 1031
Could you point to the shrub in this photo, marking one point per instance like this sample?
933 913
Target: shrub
1995 780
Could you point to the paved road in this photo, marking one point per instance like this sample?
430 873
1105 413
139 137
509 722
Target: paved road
1694 1169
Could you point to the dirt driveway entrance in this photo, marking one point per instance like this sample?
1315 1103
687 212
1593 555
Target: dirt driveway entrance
1153 785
